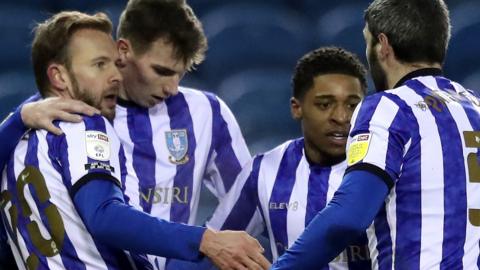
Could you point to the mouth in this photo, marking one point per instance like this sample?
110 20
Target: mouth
158 98
338 137
111 99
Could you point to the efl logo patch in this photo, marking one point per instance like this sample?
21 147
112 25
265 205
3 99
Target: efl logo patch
98 146
358 148
177 144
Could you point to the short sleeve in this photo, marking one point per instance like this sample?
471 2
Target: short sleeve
378 138
88 150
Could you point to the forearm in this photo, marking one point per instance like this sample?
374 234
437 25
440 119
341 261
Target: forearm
350 212
118 225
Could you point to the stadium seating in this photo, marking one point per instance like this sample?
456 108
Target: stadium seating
463 53
260 100
16 25
270 37
252 45
342 26
15 87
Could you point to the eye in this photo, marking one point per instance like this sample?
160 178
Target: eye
100 64
323 105
352 106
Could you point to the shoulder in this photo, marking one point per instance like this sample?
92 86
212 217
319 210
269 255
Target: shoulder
195 95
277 152
94 127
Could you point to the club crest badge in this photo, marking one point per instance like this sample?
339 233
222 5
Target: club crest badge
177 145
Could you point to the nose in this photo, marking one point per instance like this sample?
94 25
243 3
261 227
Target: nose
116 76
341 115
171 87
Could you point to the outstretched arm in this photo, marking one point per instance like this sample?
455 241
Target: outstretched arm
101 206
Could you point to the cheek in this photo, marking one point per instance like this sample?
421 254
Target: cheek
315 122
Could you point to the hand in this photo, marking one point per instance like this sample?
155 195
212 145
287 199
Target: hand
233 250
40 114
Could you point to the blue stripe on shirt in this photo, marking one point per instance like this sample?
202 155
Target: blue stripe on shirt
226 160
247 202
123 172
281 192
180 118
455 204
317 191
408 193
472 115
143 156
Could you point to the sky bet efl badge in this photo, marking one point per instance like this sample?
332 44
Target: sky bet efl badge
177 144
358 148
98 145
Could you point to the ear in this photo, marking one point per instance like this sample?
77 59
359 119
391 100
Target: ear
296 108
59 79
384 50
125 50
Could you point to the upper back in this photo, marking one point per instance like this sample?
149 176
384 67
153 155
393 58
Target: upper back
425 136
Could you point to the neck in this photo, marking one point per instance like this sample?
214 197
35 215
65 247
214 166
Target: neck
316 157
400 70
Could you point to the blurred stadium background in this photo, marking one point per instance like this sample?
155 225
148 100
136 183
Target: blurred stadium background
253 48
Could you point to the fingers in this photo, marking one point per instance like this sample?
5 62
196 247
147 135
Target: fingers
41 114
77 106
52 128
67 117
261 261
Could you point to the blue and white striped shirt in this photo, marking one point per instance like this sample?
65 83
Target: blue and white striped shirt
38 183
282 192
172 148
425 135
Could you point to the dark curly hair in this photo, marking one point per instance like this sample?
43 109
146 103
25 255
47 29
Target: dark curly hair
326 60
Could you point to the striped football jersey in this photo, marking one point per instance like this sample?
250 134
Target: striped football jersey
425 136
38 184
171 148
280 191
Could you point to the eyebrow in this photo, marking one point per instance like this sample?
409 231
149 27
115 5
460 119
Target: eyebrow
100 58
333 97
163 70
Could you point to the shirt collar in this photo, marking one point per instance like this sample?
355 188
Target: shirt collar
419 73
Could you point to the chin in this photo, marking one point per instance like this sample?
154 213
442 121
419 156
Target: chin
109 114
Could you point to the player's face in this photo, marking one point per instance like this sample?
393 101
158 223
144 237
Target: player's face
154 75
378 74
94 77
325 112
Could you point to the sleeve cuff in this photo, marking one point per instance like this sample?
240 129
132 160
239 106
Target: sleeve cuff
89 177
386 178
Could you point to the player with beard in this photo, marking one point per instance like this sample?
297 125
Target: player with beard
153 113
412 154
61 194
